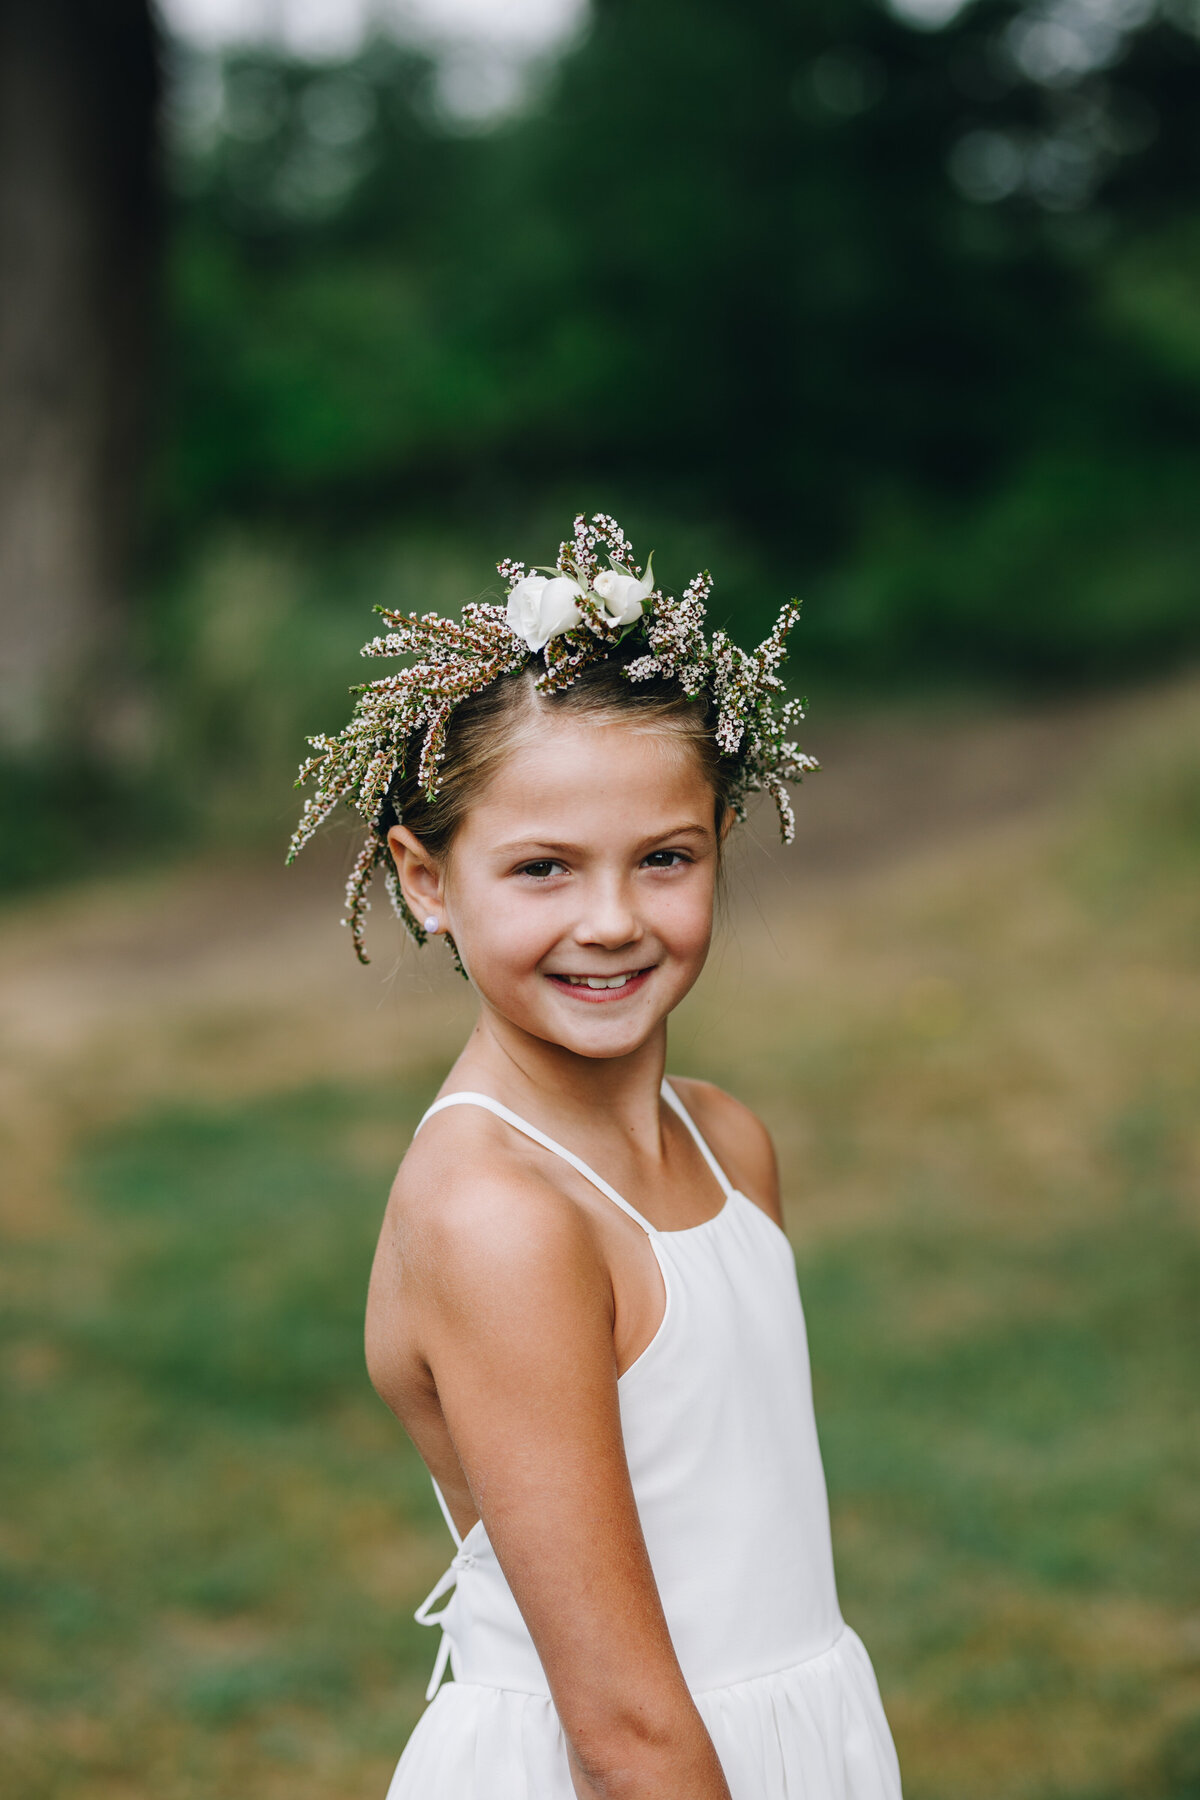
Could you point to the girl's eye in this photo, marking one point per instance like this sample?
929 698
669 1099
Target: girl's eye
666 859
540 869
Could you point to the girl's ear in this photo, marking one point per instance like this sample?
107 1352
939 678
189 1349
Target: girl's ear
420 876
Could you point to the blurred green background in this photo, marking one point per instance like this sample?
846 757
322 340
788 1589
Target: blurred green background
900 319
897 309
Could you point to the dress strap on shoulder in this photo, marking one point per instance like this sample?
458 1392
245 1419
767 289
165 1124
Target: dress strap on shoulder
539 1137
676 1104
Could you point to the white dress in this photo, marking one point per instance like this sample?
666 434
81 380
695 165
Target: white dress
721 1442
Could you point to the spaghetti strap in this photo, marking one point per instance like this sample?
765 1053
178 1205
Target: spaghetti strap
548 1143
453 1528
676 1104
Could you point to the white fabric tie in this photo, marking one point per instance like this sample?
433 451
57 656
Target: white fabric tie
423 1616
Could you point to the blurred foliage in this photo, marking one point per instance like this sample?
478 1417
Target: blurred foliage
65 816
906 319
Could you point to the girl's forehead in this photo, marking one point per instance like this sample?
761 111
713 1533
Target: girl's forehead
580 767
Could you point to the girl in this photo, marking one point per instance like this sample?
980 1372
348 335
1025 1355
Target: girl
583 1307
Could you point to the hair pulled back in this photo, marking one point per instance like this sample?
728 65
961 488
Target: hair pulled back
486 728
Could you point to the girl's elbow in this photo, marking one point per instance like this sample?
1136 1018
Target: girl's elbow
636 1750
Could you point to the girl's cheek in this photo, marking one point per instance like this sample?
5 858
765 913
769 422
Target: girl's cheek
512 934
689 921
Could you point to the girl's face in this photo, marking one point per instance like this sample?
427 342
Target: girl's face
579 888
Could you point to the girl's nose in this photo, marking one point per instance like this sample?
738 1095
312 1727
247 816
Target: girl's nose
609 919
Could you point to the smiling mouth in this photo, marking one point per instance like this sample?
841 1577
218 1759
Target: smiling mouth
596 987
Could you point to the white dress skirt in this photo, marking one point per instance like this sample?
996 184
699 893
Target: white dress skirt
721 1442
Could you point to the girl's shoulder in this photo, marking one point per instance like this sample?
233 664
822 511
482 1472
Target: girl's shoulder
471 1217
467 1174
737 1138
475 1204
477 1248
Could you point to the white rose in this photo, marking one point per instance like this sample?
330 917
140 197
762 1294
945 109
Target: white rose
624 595
543 606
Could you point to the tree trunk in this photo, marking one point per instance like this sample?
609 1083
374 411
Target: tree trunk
79 87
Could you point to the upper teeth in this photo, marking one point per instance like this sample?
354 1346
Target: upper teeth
600 981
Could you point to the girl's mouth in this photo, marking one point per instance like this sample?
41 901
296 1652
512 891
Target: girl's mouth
601 988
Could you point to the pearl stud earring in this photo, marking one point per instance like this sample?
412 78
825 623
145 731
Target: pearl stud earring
431 923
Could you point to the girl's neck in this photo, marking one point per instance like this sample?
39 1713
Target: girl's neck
557 1087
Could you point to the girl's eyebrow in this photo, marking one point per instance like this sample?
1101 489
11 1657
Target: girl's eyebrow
523 846
691 829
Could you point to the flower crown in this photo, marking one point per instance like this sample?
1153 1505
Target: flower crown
570 616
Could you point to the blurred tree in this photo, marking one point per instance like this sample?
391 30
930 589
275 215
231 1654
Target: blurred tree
310 363
824 271
78 226
873 299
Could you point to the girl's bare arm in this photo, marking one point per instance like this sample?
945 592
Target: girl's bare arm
507 1295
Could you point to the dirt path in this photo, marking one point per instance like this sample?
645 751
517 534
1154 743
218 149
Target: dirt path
220 977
